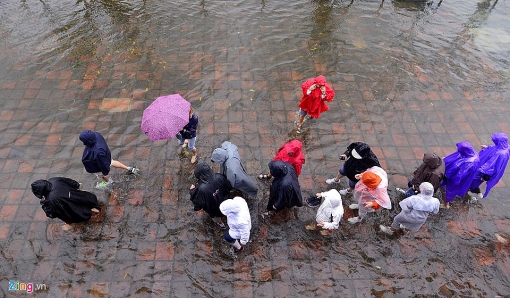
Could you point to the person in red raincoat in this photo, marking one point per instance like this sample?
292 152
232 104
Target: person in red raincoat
289 152
315 93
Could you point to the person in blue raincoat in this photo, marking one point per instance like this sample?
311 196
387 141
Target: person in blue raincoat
231 166
493 162
460 169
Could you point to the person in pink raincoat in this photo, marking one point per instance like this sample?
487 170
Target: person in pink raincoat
315 94
371 192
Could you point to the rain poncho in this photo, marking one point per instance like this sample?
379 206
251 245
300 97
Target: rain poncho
416 209
313 104
210 190
238 218
284 191
460 168
291 152
230 165
353 166
64 200
96 156
493 161
331 210
431 170
363 194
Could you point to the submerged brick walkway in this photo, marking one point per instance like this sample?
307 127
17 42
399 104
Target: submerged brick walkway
147 241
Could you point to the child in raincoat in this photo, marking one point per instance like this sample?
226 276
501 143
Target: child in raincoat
415 210
292 153
330 211
371 192
238 221
188 135
315 92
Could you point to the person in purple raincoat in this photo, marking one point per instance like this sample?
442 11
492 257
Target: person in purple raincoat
493 161
460 170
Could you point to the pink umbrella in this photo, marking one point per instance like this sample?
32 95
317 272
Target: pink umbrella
165 117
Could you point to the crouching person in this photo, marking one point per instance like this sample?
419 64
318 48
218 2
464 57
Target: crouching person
415 210
330 211
238 221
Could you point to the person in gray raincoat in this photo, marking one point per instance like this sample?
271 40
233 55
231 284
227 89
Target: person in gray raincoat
230 165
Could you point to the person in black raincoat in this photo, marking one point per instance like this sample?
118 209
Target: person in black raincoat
230 165
211 190
61 198
285 191
358 158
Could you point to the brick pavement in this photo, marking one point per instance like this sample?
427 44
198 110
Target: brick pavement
147 241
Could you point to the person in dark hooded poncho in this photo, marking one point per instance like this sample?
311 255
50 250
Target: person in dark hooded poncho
61 198
211 190
431 170
231 166
285 191
493 162
460 168
358 158
97 157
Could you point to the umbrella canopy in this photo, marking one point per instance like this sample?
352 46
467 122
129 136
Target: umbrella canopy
165 117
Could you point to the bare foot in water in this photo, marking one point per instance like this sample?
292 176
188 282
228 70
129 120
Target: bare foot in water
66 227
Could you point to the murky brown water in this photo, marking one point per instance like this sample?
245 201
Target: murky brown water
241 64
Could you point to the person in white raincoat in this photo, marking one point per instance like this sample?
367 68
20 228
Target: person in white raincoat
415 210
239 222
330 211
371 193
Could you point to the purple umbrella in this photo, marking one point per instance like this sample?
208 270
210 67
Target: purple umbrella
165 117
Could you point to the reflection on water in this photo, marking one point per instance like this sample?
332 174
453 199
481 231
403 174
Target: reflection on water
242 63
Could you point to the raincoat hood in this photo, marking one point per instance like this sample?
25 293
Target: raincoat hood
371 180
204 173
232 207
465 149
432 160
219 155
320 80
278 169
291 152
331 206
427 189
88 137
500 139
363 150
41 188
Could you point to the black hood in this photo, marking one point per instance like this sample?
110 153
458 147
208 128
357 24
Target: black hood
41 188
88 137
204 173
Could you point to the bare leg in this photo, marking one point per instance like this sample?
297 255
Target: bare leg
301 119
95 210
118 164
106 179
194 155
337 178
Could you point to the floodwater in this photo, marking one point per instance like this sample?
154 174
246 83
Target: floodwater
410 77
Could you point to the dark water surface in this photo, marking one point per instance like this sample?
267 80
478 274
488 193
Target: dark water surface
410 77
